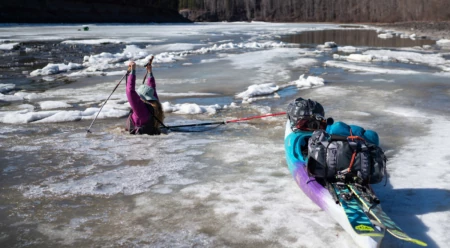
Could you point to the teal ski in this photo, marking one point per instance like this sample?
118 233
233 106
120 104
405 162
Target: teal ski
355 213
378 214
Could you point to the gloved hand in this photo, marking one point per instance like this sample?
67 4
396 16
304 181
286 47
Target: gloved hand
131 66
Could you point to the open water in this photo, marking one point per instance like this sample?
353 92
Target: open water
229 186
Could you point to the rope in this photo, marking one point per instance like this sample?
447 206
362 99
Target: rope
194 131
220 123
256 117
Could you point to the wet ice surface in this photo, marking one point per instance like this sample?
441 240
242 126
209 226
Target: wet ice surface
230 186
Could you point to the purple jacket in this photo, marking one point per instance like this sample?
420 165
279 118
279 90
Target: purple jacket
141 113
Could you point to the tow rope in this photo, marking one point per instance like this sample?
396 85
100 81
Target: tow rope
218 123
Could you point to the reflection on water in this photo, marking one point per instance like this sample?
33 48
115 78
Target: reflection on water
353 38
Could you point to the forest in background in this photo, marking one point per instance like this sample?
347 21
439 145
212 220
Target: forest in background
142 11
316 10
89 11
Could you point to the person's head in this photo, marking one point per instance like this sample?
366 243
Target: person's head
306 115
146 93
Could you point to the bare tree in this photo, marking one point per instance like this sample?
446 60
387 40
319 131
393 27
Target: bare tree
323 10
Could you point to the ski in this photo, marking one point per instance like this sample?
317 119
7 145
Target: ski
355 213
374 209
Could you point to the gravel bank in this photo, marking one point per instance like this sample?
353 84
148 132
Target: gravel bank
432 30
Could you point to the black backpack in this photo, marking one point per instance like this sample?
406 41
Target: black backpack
338 158
301 109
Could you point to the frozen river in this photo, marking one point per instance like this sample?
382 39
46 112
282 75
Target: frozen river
226 187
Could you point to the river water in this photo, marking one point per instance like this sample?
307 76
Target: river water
225 187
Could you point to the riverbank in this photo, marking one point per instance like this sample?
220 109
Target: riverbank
432 30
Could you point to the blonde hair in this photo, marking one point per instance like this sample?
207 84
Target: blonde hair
159 113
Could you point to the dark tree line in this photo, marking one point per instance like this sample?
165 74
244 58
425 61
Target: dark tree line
224 10
73 11
317 10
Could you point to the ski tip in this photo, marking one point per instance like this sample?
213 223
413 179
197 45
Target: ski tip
418 242
405 237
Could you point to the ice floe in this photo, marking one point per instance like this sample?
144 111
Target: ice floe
349 49
20 117
46 105
55 68
93 42
9 46
30 95
162 93
94 65
309 82
258 90
175 47
360 58
103 61
6 87
327 45
62 116
10 98
190 108
443 42
410 57
367 68
385 36
303 62
27 115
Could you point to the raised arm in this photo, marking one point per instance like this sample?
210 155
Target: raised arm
134 99
151 80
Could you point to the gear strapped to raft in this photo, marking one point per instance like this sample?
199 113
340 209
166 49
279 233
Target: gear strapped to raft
346 154
306 115
336 152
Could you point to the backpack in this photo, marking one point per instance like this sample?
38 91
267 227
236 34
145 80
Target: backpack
346 158
149 128
305 113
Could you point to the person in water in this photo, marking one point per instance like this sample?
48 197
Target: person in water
146 112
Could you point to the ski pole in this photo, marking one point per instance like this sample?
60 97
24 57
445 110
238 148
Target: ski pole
89 129
149 63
